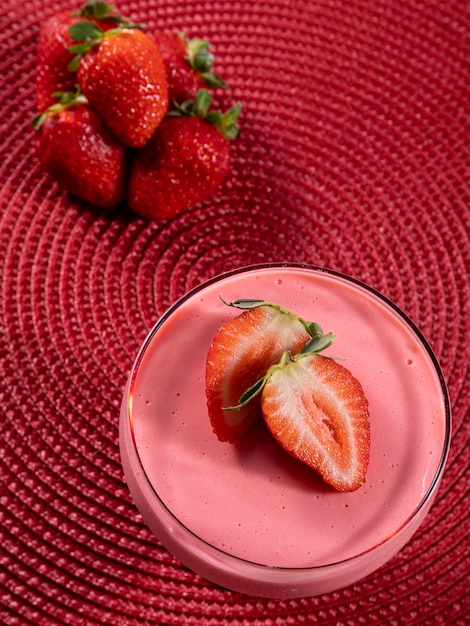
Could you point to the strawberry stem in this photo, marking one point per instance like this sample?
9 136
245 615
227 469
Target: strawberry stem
65 99
249 394
253 391
200 59
101 11
227 122
95 9
317 343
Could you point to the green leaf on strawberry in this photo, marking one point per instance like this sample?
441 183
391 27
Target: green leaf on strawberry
85 30
227 122
201 59
96 9
65 99
100 11
189 65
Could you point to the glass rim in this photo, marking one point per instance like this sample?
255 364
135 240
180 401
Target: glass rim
322 270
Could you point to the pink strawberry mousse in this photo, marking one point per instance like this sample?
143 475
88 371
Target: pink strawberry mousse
248 516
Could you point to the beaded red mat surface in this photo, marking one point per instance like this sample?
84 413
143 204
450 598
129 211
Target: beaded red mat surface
354 155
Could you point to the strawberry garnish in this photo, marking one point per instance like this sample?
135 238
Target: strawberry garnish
241 352
121 73
188 64
186 160
317 411
80 152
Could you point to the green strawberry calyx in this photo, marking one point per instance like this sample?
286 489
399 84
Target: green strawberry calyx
65 100
200 59
227 122
98 10
88 35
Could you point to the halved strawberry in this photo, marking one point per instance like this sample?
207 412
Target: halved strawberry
242 351
318 412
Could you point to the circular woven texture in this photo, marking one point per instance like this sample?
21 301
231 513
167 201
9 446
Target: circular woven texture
354 155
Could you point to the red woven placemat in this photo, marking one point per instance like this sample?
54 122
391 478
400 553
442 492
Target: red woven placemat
355 155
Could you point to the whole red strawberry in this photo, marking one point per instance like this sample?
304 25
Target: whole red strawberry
53 56
188 65
80 152
185 162
122 75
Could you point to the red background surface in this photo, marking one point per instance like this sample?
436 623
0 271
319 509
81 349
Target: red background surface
354 155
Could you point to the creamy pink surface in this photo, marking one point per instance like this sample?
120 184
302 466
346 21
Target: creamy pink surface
253 500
